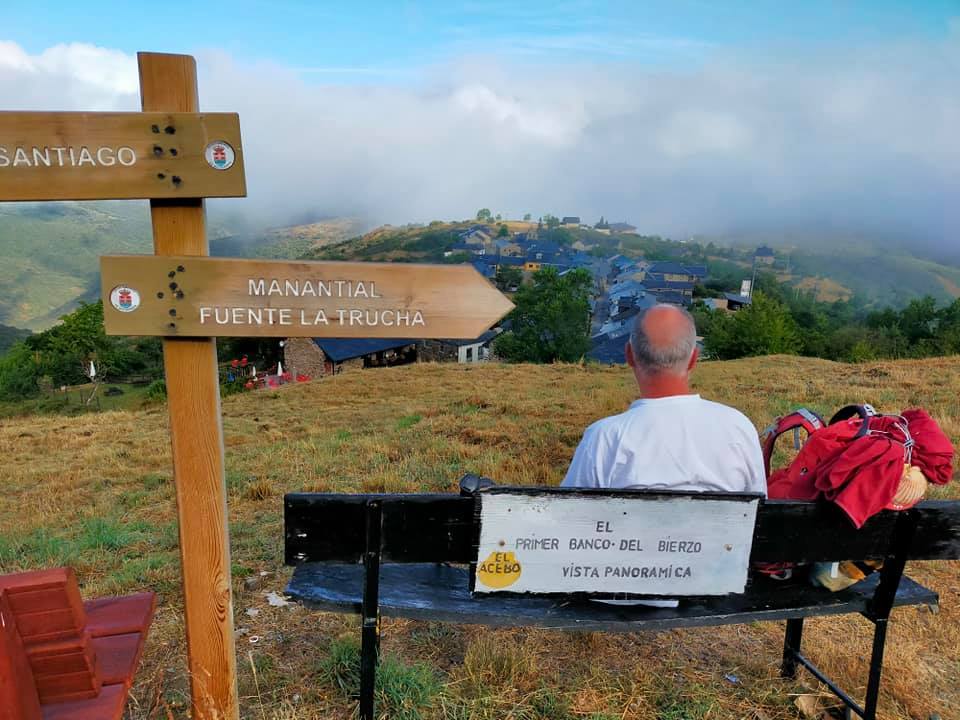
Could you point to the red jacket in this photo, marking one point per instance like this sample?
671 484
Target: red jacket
862 474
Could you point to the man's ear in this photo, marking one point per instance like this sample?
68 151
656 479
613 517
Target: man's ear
694 356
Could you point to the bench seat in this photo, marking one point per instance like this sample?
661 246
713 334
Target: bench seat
431 591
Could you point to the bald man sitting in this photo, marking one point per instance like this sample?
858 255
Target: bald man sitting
671 438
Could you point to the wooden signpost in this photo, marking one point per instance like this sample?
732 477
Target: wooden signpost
550 542
176 156
189 296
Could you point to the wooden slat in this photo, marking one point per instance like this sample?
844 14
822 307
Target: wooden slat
118 657
168 83
103 156
108 705
120 615
440 528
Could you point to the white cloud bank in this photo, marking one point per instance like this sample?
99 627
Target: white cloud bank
859 140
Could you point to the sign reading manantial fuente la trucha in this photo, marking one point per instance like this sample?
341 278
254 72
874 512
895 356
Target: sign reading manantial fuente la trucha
559 543
195 296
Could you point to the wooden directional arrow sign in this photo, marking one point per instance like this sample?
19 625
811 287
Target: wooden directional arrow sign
102 156
198 296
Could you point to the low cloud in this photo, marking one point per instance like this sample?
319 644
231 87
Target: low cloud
857 141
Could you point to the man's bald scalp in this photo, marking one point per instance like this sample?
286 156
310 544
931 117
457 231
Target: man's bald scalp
663 339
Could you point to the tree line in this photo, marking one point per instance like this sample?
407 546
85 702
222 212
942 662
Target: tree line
784 320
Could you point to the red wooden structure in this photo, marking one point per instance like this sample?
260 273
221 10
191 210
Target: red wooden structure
62 658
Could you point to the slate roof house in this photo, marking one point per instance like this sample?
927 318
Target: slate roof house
609 351
319 357
735 302
764 255
476 234
570 221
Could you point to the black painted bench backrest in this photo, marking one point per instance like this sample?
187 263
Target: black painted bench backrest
441 528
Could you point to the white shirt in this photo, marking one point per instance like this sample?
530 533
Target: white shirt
680 442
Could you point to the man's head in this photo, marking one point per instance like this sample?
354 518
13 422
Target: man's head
663 345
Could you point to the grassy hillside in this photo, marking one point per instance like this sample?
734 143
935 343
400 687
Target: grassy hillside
49 254
883 278
96 492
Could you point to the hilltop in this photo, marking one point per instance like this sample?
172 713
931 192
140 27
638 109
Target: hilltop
837 272
101 499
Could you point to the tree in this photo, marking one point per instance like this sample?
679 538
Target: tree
498 217
484 215
509 277
526 217
551 320
765 327
503 231
19 373
64 352
551 221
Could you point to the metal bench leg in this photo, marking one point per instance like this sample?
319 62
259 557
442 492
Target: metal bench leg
876 667
791 645
370 612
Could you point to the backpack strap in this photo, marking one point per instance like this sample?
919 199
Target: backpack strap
799 418
864 412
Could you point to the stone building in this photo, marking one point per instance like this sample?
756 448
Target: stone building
460 351
319 357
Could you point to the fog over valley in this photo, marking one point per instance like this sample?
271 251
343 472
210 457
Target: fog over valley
792 142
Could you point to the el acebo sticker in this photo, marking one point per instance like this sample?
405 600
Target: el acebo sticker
219 155
124 298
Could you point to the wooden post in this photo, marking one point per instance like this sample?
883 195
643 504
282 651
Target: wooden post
169 83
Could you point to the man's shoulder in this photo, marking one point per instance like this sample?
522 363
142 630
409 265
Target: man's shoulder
726 413
607 426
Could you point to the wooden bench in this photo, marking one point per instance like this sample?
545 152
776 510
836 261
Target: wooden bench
409 556
62 658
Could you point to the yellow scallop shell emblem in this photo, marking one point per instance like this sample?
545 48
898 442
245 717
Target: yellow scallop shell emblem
499 570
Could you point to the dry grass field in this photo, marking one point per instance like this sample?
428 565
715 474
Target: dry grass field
95 492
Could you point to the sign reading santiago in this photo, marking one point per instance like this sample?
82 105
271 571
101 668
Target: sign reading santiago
648 544
111 155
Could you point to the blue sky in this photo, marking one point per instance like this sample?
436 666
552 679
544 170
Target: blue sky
335 40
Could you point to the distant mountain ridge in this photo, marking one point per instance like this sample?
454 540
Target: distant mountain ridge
49 254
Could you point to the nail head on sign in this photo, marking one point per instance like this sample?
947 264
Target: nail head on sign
173 286
157 150
172 273
160 296
155 128
173 151
173 312
176 180
160 176
180 268
169 129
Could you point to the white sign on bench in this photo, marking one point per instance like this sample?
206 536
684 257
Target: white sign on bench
552 542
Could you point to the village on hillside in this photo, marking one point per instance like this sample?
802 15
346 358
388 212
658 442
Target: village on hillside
622 287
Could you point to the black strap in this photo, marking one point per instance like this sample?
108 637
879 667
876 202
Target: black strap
864 412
